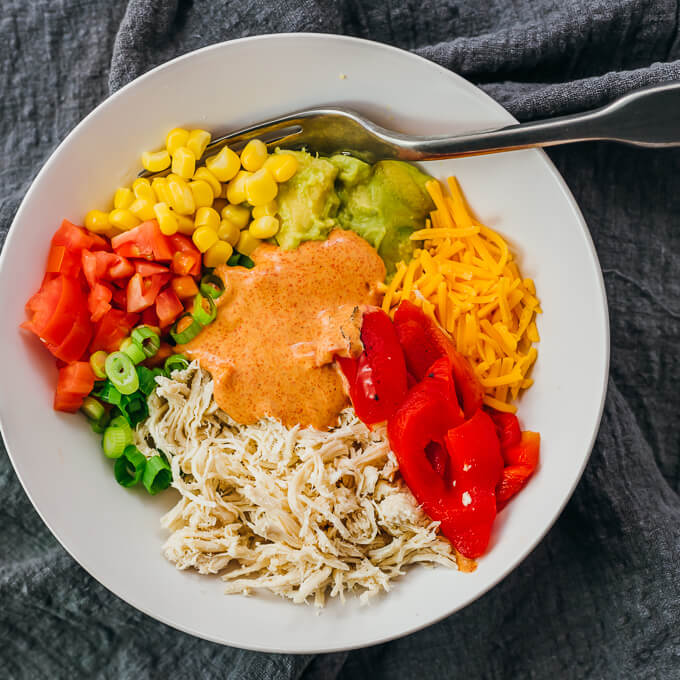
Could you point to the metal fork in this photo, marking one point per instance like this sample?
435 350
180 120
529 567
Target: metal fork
648 117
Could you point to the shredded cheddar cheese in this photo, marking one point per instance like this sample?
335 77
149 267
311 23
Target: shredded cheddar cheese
466 279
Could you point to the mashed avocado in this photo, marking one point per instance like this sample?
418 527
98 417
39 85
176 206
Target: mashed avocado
383 203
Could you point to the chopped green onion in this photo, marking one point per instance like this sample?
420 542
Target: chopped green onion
121 372
147 380
129 467
92 409
97 361
176 362
246 262
157 475
116 437
158 371
234 259
147 339
133 350
202 315
109 394
99 426
134 408
212 286
186 328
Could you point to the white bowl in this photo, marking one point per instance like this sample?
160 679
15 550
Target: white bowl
114 533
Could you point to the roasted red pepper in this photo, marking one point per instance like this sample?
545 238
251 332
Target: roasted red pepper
377 379
521 460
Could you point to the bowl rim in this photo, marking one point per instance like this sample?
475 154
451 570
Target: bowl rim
570 201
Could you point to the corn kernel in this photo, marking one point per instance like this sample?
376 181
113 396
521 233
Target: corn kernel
254 155
282 166
141 188
203 193
175 138
123 219
181 198
167 221
198 141
238 214
143 209
229 232
270 209
185 224
160 188
183 163
217 254
156 161
247 243
264 227
97 222
123 197
207 176
207 217
261 188
236 189
224 165
204 238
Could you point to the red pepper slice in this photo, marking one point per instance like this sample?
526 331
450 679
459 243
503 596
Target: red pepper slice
424 342
377 379
521 460
507 427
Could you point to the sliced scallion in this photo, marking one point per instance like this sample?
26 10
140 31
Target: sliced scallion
246 262
147 339
92 409
204 310
116 437
147 380
157 475
186 328
109 394
121 372
234 259
129 467
97 361
211 286
133 350
176 362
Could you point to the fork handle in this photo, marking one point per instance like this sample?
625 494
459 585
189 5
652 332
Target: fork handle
648 117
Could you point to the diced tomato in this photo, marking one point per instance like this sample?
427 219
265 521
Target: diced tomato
424 342
76 238
121 269
76 381
98 301
168 307
507 427
377 382
63 261
184 287
150 318
112 329
103 265
148 268
142 291
186 256
74 345
119 297
145 241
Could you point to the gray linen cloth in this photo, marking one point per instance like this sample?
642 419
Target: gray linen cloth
600 596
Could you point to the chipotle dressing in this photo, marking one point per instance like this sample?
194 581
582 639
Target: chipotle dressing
270 350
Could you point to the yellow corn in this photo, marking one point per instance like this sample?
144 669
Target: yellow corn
160 188
141 188
204 238
247 243
198 140
217 254
238 214
156 161
254 155
224 165
176 137
123 197
264 227
97 221
236 189
123 219
183 163
166 218
282 166
261 188
270 209
207 217
181 198
229 232
143 209
185 224
207 176
203 193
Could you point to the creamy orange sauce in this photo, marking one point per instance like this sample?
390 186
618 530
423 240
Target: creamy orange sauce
270 349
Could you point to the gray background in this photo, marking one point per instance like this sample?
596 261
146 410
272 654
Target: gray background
599 597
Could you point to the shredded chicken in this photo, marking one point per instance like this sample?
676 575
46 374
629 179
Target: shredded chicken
303 513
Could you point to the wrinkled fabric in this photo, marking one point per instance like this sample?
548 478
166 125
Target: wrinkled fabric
600 596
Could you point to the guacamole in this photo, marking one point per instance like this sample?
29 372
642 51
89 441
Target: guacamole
383 203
